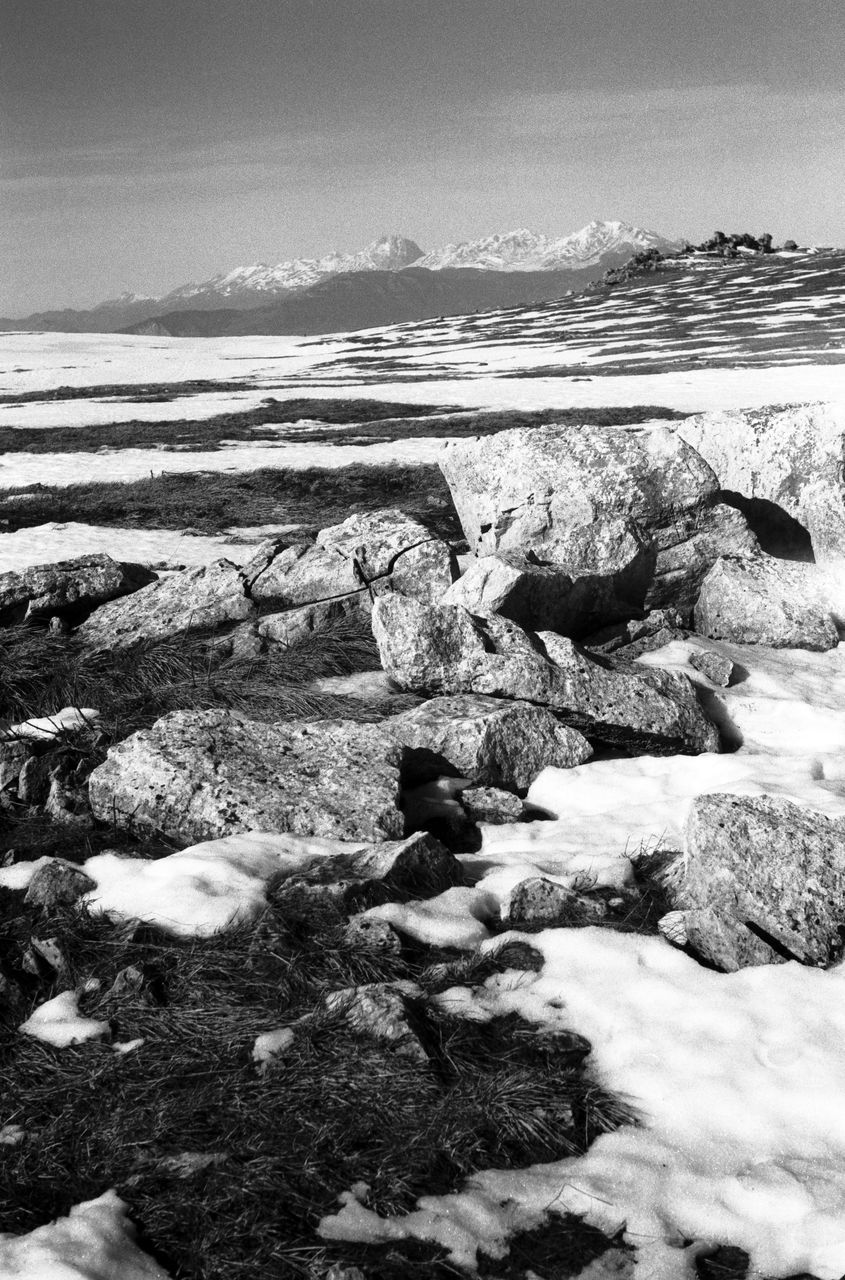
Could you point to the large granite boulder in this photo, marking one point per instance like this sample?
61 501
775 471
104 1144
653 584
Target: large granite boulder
199 775
761 600
791 457
69 589
195 599
633 512
493 741
538 596
445 650
768 876
367 553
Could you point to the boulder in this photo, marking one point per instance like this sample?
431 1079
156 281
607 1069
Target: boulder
717 667
630 514
69 589
770 871
761 600
367 553
786 459
446 650
539 596
199 775
493 741
194 599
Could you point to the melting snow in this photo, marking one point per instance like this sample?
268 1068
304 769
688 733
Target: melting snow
96 1241
59 1022
739 1079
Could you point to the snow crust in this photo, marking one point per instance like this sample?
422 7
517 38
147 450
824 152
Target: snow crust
96 1241
740 1079
59 1022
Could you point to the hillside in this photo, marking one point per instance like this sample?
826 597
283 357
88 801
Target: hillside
365 300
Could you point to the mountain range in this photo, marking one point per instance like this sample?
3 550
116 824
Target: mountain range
391 280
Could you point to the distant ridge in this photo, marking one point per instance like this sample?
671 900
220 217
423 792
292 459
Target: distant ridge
595 248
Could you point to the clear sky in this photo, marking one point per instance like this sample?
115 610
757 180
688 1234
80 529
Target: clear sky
144 143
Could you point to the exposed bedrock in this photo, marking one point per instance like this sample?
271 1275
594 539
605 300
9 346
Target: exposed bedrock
446 650
630 515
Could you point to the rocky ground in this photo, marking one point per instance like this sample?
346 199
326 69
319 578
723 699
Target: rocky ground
444 889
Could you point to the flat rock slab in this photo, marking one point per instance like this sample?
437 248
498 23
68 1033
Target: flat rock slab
200 775
493 741
445 649
769 870
762 600
68 589
187 601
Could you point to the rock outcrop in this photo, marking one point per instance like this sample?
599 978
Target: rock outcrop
69 589
492 741
769 876
537 596
761 600
199 775
791 458
191 600
631 515
446 650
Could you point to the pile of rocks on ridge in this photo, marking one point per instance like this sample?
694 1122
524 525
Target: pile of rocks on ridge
588 546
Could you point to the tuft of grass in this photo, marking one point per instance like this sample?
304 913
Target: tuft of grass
335 1109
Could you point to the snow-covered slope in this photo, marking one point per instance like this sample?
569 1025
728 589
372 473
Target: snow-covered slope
523 250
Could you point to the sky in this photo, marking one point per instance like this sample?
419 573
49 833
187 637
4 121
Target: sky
145 143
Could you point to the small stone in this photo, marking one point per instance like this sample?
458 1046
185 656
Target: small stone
45 951
378 1010
715 666
491 804
372 935
57 883
542 903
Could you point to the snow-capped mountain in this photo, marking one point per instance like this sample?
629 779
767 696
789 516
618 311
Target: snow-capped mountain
524 250
390 253
389 268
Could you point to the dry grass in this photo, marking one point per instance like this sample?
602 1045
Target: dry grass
335 1109
211 502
